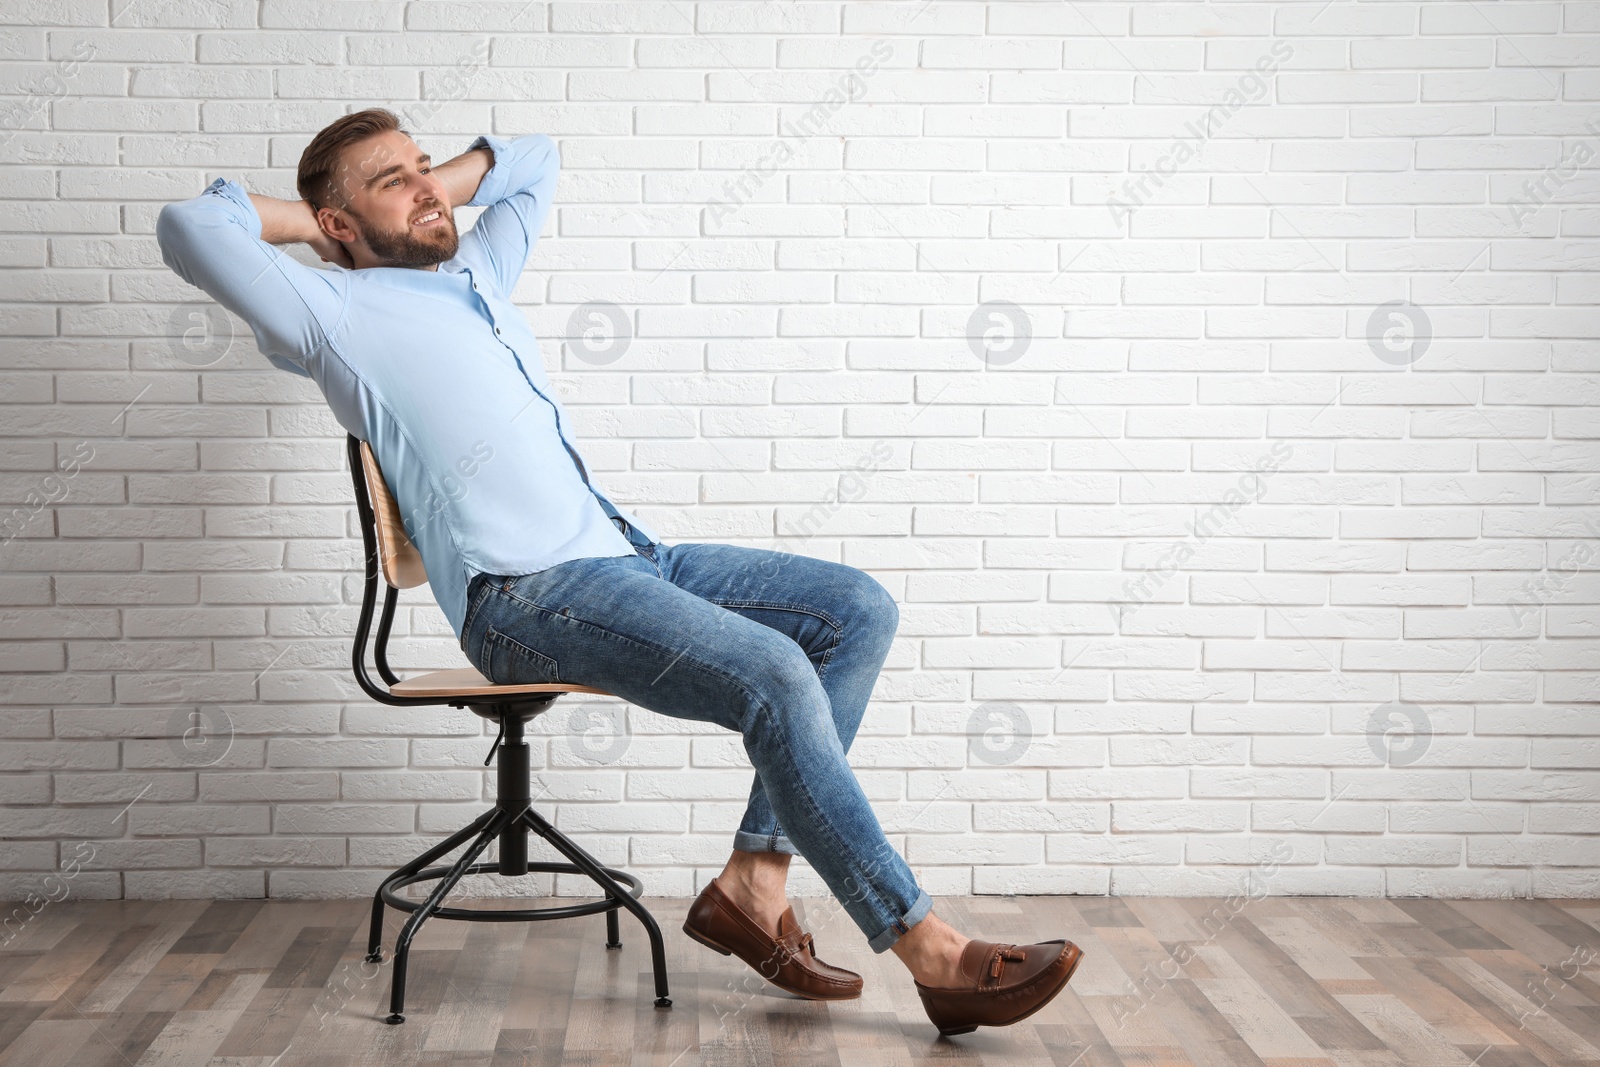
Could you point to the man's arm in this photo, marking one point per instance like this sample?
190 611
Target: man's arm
517 192
215 241
287 222
463 174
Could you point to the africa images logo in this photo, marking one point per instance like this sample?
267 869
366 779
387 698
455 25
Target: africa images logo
1251 88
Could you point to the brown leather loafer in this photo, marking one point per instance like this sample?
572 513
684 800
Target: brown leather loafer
1001 984
787 961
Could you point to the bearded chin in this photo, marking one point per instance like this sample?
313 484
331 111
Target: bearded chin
409 250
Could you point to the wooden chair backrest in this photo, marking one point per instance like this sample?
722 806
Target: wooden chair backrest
400 562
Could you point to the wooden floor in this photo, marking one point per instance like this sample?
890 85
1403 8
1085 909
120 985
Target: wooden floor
1283 982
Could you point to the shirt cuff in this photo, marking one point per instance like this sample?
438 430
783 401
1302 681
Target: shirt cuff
244 210
492 189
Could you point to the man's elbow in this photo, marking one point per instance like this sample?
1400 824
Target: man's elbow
543 147
174 229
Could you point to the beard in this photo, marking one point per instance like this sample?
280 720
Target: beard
411 248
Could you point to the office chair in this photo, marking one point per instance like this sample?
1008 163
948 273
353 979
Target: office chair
391 555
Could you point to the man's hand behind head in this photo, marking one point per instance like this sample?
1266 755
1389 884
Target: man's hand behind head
292 221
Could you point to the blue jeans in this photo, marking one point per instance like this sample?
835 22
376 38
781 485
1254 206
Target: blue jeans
781 648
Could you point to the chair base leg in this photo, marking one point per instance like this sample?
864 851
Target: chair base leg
589 866
402 949
480 833
449 844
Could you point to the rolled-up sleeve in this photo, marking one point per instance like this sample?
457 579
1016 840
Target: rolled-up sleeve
213 241
517 192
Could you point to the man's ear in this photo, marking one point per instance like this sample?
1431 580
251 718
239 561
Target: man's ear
335 225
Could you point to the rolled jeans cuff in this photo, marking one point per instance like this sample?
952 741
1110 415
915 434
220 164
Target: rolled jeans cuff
745 841
914 914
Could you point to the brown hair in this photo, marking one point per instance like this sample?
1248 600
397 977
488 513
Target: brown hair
321 157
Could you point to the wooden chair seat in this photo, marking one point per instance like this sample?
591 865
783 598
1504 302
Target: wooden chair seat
468 682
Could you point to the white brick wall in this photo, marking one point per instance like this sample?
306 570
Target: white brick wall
1302 445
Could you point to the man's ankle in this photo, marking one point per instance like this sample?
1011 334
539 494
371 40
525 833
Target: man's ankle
759 892
931 951
761 872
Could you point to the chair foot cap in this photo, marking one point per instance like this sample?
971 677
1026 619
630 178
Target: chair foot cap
395 1019
663 1002
375 956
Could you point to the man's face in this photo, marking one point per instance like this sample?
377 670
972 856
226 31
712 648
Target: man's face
388 208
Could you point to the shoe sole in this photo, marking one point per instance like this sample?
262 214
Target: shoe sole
714 947
1071 970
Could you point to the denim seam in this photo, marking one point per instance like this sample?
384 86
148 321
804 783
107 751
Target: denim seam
553 613
827 657
472 610
899 927
803 609
763 843
816 613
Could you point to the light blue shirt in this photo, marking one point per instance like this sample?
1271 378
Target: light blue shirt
437 370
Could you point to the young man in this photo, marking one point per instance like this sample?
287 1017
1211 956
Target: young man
419 351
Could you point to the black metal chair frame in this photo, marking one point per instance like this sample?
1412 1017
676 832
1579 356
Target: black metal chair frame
509 821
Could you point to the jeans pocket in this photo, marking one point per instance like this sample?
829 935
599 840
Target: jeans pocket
508 661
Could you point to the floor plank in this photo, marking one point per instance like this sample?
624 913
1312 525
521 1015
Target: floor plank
1276 982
